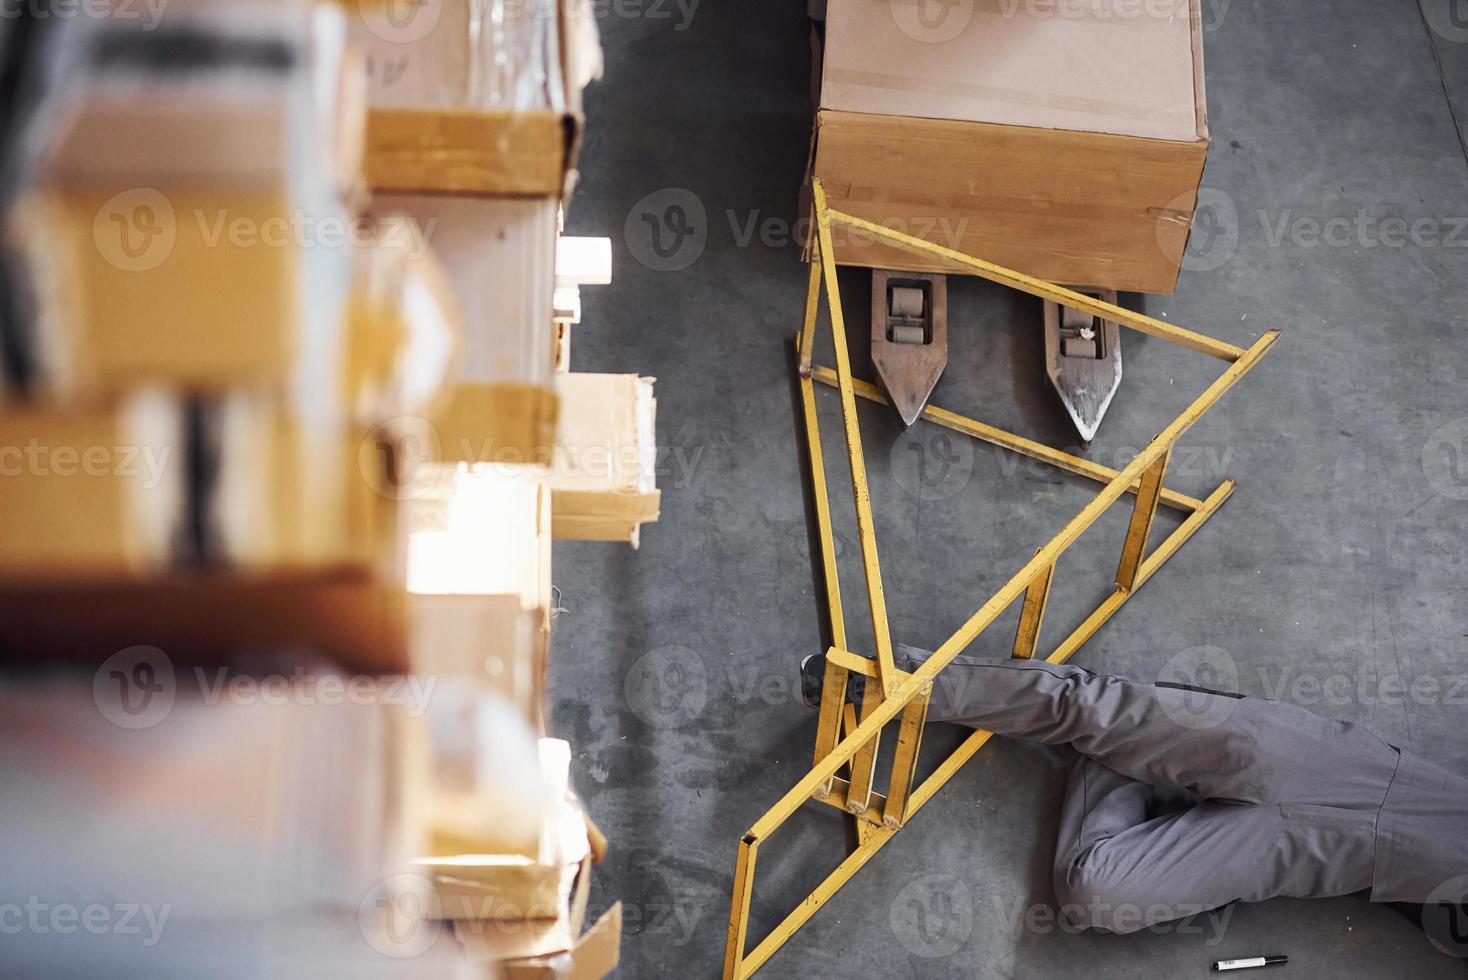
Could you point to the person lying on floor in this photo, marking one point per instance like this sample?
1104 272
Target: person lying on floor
1190 799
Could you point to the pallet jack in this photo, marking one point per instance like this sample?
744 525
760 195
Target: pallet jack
844 775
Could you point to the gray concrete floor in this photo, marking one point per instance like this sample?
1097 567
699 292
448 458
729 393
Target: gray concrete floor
1339 561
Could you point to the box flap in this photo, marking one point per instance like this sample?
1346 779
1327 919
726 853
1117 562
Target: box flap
1129 67
598 952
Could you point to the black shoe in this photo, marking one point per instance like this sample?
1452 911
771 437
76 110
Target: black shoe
813 681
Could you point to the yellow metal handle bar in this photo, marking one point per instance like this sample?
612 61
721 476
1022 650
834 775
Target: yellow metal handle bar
1078 465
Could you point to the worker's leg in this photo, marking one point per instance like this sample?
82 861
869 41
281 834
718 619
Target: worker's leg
1113 874
1219 746
1099 804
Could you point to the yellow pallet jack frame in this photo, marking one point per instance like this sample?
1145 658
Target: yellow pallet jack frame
843 740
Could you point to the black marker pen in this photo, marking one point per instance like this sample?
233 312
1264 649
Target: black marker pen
1249 963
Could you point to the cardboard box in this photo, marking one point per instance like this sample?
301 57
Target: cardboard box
493 638
489 796
603 478
528 923
464 104
140 286
194 238
284 491
463 152
501 423
593 956
509 886
404 327
479 570
99 492
1066 147
500 255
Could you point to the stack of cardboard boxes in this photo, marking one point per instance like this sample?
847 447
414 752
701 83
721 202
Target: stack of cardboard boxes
289 397
473 126
198 412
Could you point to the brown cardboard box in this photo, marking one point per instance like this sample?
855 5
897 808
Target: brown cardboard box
1066 147
593 956
490 637
197 237
510 886
404 327
464 152
495 423
500 256
479 570
460 105
97 492
530 926
177 286
161 233
287 492
489 794
603 477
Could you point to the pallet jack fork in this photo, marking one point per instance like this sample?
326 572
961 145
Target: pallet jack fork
909 337
910 348
1083 360
847 742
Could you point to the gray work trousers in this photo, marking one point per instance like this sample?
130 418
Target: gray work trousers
1184 800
